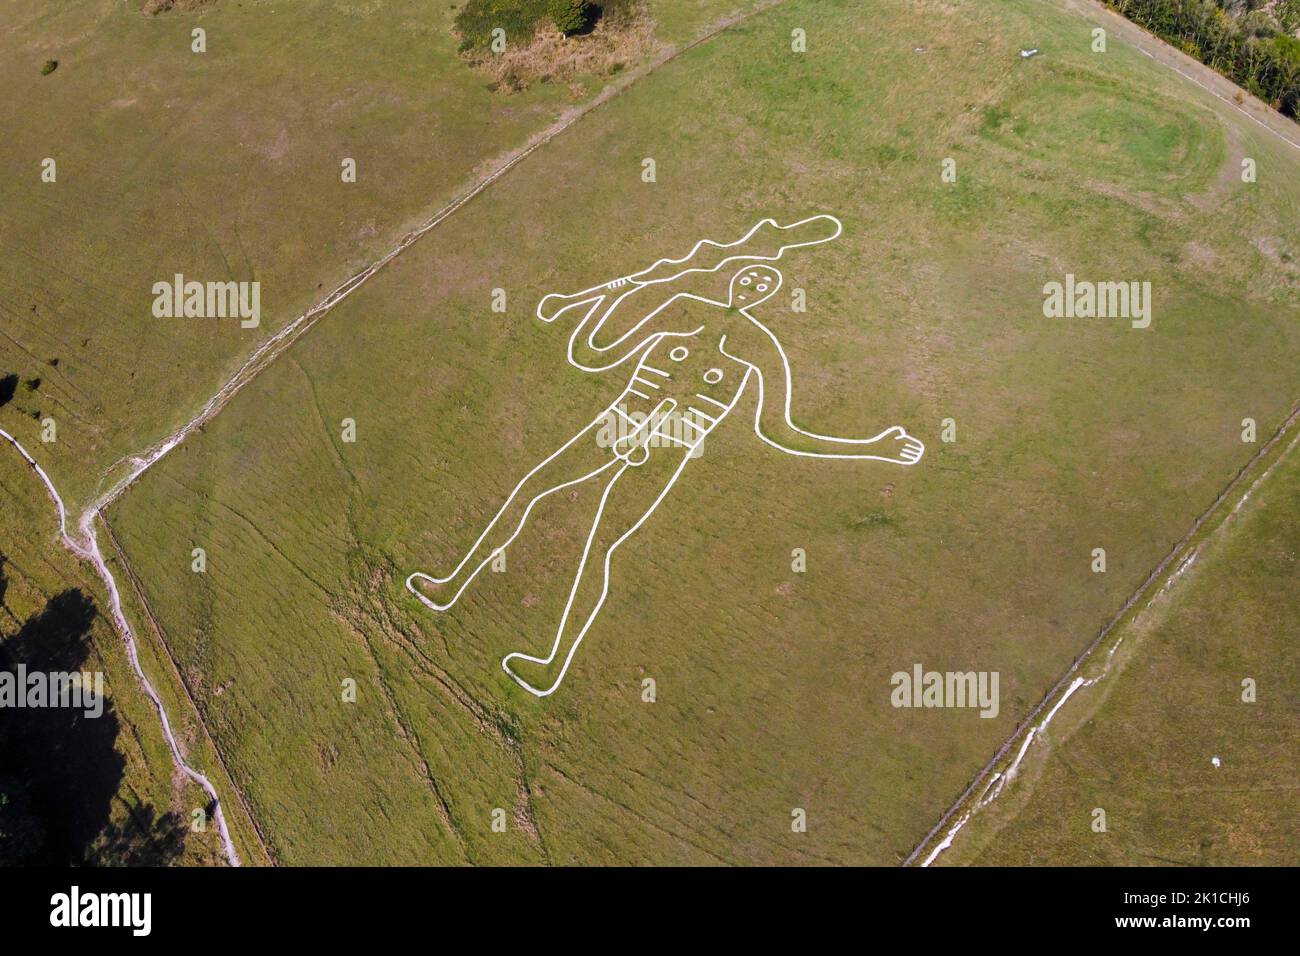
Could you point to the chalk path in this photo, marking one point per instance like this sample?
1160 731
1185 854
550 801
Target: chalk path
88 550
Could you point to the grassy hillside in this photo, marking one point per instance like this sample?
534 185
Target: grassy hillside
224 165
1142 744
221 165
773 686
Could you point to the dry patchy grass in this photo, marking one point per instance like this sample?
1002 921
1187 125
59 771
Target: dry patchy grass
618 39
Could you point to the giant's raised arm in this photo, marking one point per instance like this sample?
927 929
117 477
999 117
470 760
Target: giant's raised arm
618 317
760 349
583 350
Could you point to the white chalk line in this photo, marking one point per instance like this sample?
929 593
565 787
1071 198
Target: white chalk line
88 550
751 286
261 358
998 780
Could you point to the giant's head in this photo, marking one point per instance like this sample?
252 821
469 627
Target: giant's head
752 285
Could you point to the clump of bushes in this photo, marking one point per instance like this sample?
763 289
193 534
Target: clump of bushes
520 19
154 7
555 41
49 67
1249 42
476 20
570 16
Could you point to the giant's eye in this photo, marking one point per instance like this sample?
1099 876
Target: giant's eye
762 287
745 281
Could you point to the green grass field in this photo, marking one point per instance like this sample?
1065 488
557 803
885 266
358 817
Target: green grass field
220 165
773 687
1141 744
224 165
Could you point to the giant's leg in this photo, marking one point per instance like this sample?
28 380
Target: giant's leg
577 460
631 495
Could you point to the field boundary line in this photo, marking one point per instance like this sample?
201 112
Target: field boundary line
1178 558
138 590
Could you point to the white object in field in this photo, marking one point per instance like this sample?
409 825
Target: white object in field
1026 54
761 364
1215 761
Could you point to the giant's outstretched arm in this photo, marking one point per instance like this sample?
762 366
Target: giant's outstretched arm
762 352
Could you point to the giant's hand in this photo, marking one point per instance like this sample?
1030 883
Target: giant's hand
898 446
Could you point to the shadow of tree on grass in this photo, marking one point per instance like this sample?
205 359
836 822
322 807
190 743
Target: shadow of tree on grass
60 770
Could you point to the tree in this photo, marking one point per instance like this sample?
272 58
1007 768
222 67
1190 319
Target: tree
570 16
